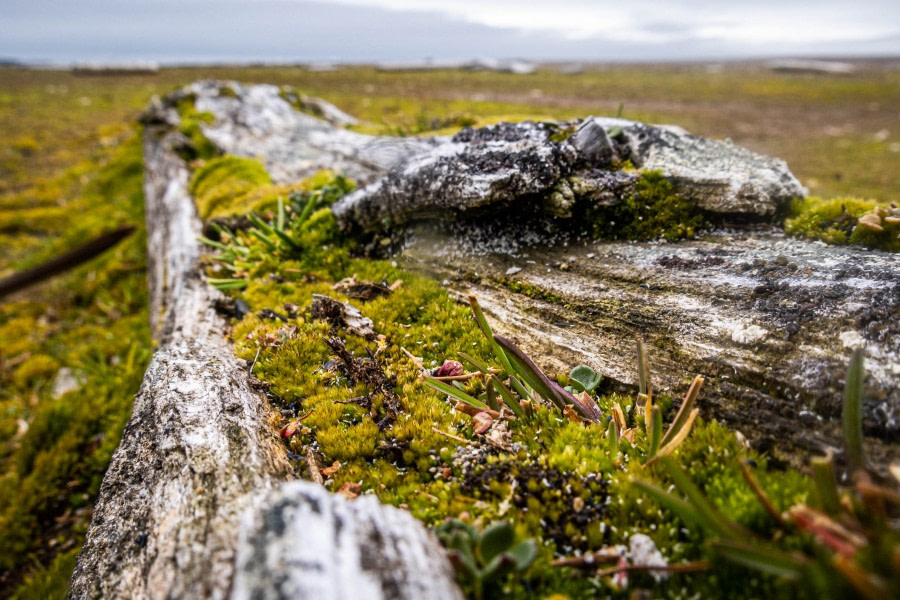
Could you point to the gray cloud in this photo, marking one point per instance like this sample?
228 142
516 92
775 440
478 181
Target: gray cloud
290 30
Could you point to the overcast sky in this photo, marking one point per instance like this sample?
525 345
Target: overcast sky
65 31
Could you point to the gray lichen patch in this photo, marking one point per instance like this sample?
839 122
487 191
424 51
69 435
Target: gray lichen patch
502 168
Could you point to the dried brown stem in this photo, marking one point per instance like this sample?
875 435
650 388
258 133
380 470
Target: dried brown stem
314 473
455 438
688 567
761 495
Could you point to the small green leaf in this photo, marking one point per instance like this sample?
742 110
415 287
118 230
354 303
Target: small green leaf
498 567
826 484
709 517
264 239
612 437
495 539
680 507
655 430
256 220
477 364
287 239
490 394
643 368
279 223
523 553
462 563
485 328
227 284
584 379
508 398
308 207
213 243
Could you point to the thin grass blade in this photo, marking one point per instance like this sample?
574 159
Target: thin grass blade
711 519
455 393
765 559
852 411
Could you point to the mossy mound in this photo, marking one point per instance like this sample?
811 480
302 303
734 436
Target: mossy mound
654 211
223 181
836 221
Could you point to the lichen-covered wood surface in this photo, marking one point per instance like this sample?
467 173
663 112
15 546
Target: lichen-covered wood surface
769 321
199 452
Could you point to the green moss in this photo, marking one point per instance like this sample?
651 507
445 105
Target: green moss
654 211
835 221
225 180
556 483
36 197
92 320
532 291
561 134
36 369
197 145
50 582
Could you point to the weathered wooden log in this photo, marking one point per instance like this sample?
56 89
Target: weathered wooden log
200 451
769 321
302 542
526 167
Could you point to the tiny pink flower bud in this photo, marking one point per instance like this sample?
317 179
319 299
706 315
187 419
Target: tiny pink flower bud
482 422
450 368
290 429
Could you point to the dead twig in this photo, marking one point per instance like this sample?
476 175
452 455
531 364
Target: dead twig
587 561
470 410
416 360
455 438
314 473
688 567
760 494
463 377
64 262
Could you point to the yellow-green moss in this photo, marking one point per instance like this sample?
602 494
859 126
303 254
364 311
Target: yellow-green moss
528 289
223 180
50 582
834 221
554 467
93 320
35 370
197 146
654 211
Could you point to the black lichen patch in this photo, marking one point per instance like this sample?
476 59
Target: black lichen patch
569 508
